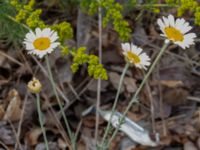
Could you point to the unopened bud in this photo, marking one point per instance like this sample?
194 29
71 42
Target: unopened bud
34 86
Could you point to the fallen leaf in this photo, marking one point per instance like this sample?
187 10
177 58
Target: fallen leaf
2 111
81 145
52 146
189 146
93 85
89 121
13 111
114 79
130 84
175 96
62 144
33 135
171 83
7 136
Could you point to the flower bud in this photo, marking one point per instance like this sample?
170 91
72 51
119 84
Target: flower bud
34 86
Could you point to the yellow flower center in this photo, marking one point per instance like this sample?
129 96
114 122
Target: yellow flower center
42 43
133 57
173 34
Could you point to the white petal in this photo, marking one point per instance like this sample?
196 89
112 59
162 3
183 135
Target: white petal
191 35
138 51
166 21
167 41
171 20
30 36
54 37
161 24
179 23
55 44
126 46
38 32
30 46
46 32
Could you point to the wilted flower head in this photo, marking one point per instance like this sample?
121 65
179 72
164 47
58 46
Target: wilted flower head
135 56
34 86
42 42
176 31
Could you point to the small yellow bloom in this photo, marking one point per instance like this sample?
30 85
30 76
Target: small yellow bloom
176 31
134 55
34 86
42 42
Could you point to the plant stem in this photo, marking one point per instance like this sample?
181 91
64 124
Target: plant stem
99 80
134 98
41 121
59 102
116 100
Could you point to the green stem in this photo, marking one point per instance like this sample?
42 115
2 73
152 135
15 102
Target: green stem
59 102
116 100
41 121
134 98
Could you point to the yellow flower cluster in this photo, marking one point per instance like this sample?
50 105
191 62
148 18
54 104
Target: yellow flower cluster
112 14
95 69
26 14
187 5
64 31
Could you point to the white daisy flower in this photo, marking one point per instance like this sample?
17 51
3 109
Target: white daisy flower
41 42
176 31
135 56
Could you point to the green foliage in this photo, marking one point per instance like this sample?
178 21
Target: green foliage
113 13
64 30
17 17
10 30
90 6
197 16
64 50
95 69
27 15
34 21
151 6
172 2
187 5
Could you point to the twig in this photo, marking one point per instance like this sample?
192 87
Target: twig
58 124
59 103
99 80
78 128
161 107
4 145
192 98
41 121
73 90
15 133
152 107
11 58
21 119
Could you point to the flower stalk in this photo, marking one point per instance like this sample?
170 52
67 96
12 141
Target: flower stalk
59 103
134 98
41 121
116 100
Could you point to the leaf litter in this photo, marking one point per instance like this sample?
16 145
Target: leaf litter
175 80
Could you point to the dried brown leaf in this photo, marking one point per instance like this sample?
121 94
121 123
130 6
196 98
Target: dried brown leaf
114 79
33 135
130 84
171 83
13 111
190 146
